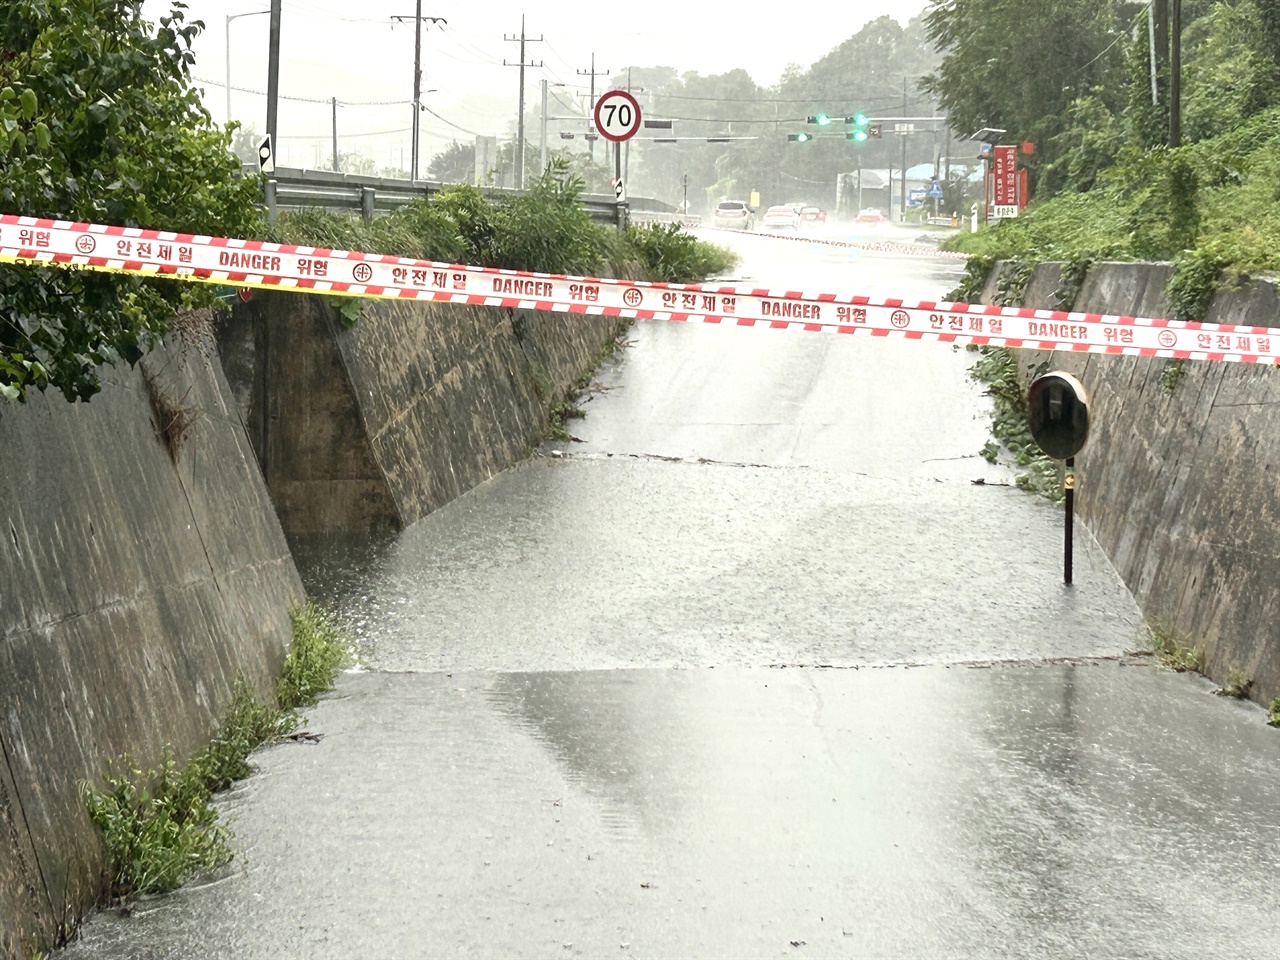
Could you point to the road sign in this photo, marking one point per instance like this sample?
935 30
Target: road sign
1004 175
935 191
618 189
1004 211
266 162
617 116
915 197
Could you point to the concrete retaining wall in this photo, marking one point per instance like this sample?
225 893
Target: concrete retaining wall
133 592
1180 482
380 424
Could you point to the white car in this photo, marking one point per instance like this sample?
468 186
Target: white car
733 215
781 218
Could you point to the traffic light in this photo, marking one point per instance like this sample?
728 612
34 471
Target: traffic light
857 136
799 137
821 119
858 120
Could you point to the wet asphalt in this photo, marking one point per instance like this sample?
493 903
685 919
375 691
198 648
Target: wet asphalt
766 662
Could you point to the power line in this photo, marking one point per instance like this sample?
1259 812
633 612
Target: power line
450 122
325 100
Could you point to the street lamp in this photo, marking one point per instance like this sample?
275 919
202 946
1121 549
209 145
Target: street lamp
235 16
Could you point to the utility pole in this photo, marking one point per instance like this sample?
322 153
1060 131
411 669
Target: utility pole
542 137
1175 73
273 75
902 196
520 120
417 82
336 166
591 107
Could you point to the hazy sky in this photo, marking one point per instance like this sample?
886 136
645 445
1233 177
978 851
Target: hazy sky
356 52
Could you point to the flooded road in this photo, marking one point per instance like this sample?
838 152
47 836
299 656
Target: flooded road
754 667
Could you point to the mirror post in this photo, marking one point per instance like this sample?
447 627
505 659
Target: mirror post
1069 483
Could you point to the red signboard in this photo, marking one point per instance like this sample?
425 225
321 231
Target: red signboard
1005 170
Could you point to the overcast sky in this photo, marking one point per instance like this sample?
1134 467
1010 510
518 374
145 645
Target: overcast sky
356 52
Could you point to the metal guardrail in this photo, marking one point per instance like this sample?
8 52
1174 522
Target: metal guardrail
295 189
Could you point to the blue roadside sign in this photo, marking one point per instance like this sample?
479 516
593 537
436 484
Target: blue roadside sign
935 191
915 197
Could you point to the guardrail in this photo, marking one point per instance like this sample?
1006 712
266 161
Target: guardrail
656 216
294 189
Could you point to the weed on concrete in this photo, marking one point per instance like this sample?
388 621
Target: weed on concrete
159 824
1174 650
997 369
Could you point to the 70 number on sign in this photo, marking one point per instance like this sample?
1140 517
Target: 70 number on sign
617 116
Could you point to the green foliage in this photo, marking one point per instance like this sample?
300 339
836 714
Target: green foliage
1011 284
456 163
1070 283
159 825
1174 650
1172 374
969 290
997 368
560 412
99 123
1021 64
668 254
1192 284
476 221
548 231
1273 712
319 650
1237 686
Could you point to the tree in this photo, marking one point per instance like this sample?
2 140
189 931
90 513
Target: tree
354 162
99 123
456 163
1017 64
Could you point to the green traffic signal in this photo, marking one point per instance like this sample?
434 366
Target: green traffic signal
799 137
858 136
859 120
820 119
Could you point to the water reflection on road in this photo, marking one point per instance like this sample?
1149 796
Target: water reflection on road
766 531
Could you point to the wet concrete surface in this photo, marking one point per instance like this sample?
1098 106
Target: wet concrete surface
494 785
1083 811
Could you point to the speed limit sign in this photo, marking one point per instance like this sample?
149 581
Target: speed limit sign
617 116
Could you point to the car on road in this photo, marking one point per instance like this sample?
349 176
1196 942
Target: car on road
870 215
812 216
733 215
782 218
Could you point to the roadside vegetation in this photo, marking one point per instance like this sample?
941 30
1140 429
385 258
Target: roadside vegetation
547 230
1105 182
159 824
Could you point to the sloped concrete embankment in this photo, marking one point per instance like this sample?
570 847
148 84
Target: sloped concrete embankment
134 590
1180 480
375 426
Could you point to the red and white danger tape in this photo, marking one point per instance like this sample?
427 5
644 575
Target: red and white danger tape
253 263
892 247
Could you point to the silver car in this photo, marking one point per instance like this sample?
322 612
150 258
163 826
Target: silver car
733 215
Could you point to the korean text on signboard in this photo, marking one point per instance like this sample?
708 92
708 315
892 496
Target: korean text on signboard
1005 170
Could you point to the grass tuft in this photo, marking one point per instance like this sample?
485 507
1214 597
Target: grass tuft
1174 650
159 825
319 650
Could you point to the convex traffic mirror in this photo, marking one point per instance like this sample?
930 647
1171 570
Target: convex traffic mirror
1058 413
